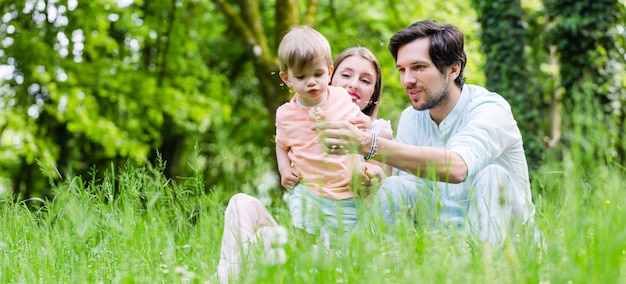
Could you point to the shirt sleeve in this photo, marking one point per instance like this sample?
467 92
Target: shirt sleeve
378 125
490 130
407 127
280 134
406 133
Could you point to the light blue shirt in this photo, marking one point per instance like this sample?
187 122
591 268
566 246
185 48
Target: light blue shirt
482 130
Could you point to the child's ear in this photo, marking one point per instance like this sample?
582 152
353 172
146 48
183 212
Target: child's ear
285 78
330 70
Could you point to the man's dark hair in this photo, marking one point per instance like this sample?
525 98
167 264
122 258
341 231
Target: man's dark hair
446 44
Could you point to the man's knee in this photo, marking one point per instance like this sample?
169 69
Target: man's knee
392 185
490 212
494 175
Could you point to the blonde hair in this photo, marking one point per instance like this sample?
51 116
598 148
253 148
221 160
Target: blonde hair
302 46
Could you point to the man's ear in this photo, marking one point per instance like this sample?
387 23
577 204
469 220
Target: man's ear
455 70
285 78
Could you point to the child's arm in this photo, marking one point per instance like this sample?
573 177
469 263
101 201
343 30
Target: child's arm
288 178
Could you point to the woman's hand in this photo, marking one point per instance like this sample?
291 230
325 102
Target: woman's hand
362 123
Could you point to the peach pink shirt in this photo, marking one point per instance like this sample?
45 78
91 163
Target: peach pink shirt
325 174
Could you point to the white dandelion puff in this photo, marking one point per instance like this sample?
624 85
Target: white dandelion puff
276 235
184 273
275 256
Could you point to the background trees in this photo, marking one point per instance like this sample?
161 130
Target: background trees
589 37
92 85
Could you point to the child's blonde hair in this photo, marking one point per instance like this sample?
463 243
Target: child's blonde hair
302 46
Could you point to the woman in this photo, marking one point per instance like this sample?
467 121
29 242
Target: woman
246 220
358 71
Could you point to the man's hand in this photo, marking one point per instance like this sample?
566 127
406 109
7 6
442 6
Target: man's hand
341 137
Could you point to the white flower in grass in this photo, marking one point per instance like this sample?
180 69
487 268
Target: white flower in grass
164 268
185 274
277 235
275 256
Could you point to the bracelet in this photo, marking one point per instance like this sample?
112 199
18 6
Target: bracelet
373 147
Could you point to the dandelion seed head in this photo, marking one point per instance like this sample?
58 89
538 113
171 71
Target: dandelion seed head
164 268
184 273
277 235
275 256
257 50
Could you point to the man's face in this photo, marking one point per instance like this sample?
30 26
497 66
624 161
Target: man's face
426 87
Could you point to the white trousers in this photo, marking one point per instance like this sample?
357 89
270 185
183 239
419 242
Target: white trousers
245 222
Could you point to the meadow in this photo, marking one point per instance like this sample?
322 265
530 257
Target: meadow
135 226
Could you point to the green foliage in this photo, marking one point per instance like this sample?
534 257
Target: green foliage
508 69
589 36
98 83
134 225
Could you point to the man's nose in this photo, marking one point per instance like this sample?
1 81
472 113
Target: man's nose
407 78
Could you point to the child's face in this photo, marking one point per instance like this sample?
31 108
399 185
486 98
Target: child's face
310 82
358 76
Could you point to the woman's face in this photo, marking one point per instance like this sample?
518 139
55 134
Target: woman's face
358 76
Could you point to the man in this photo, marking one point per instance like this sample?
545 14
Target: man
458 149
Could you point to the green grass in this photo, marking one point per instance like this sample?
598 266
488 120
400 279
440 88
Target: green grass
134 226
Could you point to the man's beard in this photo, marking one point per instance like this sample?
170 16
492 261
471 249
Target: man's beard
436 101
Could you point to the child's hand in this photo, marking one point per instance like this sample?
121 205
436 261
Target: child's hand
363 123
373 174
371 177
289 179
